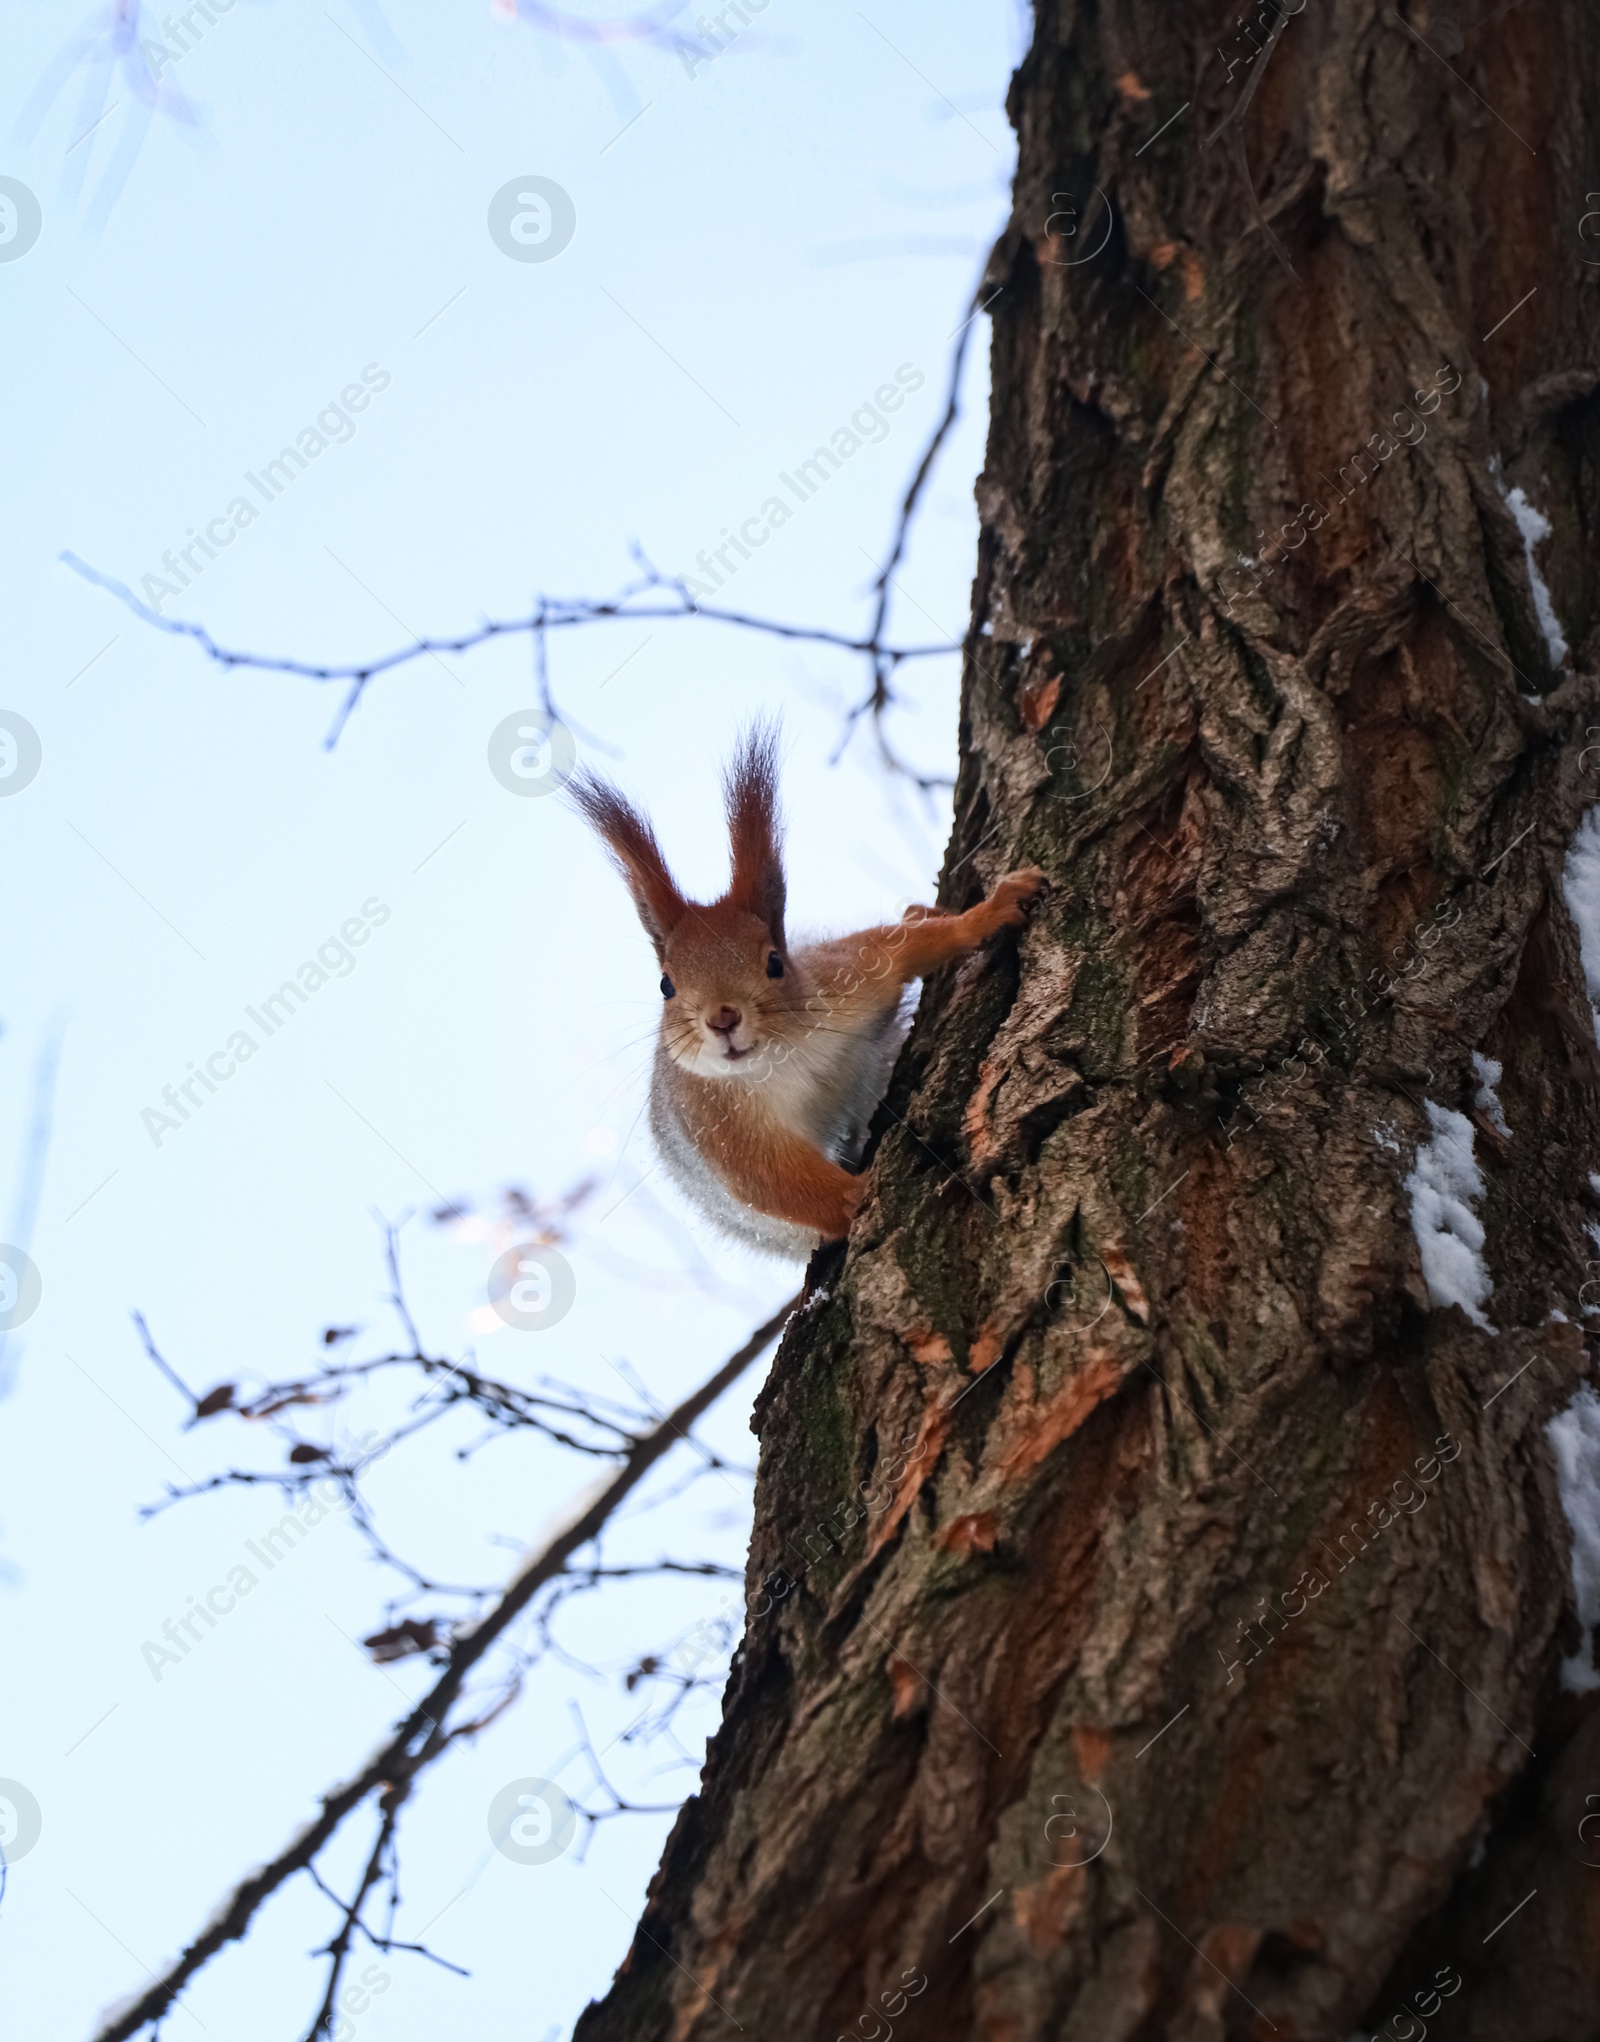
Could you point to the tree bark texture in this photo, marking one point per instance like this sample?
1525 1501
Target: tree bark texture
1042 1725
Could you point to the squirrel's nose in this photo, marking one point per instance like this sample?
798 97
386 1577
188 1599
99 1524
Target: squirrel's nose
725 1020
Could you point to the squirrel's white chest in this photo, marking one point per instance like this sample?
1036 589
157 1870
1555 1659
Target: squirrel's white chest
696 1176
822 1086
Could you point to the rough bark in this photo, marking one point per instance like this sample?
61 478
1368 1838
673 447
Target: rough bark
1137 1279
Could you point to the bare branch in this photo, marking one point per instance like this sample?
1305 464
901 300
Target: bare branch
420 1737
553 614
652 596
338 1948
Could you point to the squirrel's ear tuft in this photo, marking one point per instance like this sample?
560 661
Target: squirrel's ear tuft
627 835
750 787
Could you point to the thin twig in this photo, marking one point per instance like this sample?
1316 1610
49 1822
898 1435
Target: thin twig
338 1948
644 599
553 614
880 697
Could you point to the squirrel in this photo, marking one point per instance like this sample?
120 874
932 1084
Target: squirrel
771 1060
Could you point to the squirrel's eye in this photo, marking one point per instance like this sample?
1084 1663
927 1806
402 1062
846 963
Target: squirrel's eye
774 965
667 987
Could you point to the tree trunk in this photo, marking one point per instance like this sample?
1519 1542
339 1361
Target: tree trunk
1160 1583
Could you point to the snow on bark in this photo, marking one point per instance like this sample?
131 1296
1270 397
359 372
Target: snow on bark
1534 527
1580 888
1574 1436
1445 1182
1488 1074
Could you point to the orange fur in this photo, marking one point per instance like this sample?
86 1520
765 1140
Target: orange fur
755 837
770 1060
775 1171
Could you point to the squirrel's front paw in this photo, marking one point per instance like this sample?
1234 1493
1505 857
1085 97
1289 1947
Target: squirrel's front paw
1011 895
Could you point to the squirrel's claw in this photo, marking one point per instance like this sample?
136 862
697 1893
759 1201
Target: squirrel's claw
1012 894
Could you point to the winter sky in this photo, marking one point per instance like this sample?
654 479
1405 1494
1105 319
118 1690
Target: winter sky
297 216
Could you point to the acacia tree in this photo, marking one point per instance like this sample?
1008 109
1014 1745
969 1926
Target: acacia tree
1159 1594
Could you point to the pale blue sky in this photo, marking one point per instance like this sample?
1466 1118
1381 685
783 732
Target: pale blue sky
757 249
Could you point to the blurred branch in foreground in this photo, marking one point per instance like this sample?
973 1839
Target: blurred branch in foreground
427 1731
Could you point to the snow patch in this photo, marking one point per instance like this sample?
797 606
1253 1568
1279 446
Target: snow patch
1534 526
1488 1074
1580 889
1443 1183
1574 1436
1560 1318
1383 1135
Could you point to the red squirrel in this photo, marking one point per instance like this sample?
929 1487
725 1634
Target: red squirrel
770 1061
